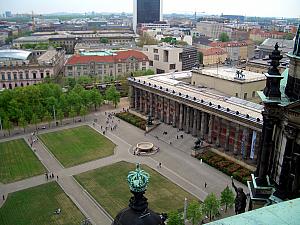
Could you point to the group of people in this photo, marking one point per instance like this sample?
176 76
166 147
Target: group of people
33 138
50 176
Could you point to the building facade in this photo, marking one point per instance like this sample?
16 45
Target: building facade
22 68
230 126
169 58
119 63
212 56
146 11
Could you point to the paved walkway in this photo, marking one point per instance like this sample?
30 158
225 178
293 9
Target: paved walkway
177 165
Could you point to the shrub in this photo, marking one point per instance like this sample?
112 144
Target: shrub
132 119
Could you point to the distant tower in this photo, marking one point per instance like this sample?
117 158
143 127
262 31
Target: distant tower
146 11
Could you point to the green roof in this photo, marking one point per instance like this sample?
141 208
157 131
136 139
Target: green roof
285 213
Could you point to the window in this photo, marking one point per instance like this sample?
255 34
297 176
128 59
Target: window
119 70
27 76
172 66
47 74
180 57
111 65
8 76
15 76
21 76
236 95
143 68
155 50
70 67
253 94
42 75
3 76
150 63
143 63
245 95
34 75
156 57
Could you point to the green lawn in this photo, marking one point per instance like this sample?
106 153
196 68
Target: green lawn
108 185
77 145
36 206
17 161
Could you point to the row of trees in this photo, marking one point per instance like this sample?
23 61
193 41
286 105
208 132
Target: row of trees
196 211
37 103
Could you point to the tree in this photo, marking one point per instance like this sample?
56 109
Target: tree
60 115
73 114
146 39
7 125
113 95
288 36
175 218
34 120
211 205
224 37
194 212
227 198
96 98
23 123
48 118
200 57
103 40
83 112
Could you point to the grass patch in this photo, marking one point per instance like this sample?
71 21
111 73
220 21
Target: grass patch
36 206
108 185
17 161
133 119
77 145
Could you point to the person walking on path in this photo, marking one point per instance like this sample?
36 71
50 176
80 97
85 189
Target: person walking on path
205 184
3 197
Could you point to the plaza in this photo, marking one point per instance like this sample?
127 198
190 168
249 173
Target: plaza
177 165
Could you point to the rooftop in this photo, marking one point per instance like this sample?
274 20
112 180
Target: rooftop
117 57
14 54
229 73
213 51
47 56
168 83
285 213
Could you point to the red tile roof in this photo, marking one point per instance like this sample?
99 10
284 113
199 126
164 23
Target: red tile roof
213 51
121 56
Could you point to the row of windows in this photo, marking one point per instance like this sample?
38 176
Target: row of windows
10 86
21 76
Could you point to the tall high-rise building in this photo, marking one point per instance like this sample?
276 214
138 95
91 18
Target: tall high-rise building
146 11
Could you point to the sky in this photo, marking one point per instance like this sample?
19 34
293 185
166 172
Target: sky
264 8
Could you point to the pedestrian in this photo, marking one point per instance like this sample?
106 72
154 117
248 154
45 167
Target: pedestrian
46 174
104 132
57 178
3 197
205 184
177 137
159 165
170 142
52 175
101 127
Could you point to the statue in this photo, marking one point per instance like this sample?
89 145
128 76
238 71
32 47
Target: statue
198 143
297 43
240 199
149 121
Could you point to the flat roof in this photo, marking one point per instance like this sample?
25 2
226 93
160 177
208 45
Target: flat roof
229 73
47 56
284 213
169 84
15 54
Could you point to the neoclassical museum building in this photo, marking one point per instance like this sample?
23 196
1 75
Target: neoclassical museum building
230 123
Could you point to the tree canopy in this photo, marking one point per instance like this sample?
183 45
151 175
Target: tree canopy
113 95
211 205
194 212
224 37
227 198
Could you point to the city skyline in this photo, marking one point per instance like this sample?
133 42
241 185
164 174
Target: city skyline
276 8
